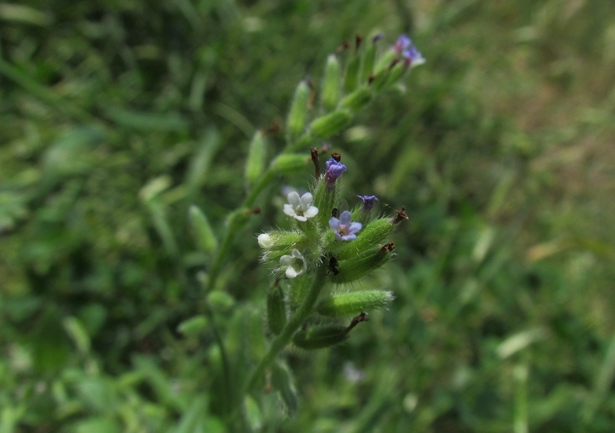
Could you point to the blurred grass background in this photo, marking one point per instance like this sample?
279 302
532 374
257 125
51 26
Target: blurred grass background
115 116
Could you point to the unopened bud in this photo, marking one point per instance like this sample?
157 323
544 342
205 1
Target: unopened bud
289 163
220 302
276 310
368 238
331 83
319 337
330 124
357 267
352 303
255 165
351 77
193 327
369 58
357 99
385 61
396 73
279 243
298 111
205 237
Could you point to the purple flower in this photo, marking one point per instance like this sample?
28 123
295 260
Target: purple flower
402 44
345 229
334 170
412 57
368 202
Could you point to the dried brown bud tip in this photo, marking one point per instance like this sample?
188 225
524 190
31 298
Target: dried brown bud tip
401 215
393 63
388 247
274 128
337 156
343 47
357 41
309 82
356 320
254 211
371 78
315 155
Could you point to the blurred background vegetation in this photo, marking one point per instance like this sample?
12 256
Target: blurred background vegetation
115 116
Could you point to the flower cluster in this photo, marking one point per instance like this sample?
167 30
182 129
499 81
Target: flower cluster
404 47
321 232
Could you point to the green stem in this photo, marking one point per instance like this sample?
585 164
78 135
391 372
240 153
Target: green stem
291 326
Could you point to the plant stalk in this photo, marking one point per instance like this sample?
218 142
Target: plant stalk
291 326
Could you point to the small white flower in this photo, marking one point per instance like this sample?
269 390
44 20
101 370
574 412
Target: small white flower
300 208
265 240
295 264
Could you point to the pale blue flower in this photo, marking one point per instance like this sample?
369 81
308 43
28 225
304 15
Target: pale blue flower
344 229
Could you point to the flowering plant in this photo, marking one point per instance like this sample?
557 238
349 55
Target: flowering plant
322 245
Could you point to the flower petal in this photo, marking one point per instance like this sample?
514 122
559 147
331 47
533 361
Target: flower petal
295 253
345 218
350 237
286 260
311 212
290 272
293 198
289 210
334 223
265 240
306 200
354 227
339 237
300 217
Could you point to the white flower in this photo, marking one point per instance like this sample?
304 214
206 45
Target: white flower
295 264
300 208
265 240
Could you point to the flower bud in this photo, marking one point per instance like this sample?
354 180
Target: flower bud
319 337
298 111
276 310
205 238
357 267
330 124
371 235
193 326
369 58
220 302
353 303
396 73
331 83
351 78
357 99
385 61
255 165
289 163
279 243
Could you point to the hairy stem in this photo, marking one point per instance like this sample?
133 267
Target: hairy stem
291 326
